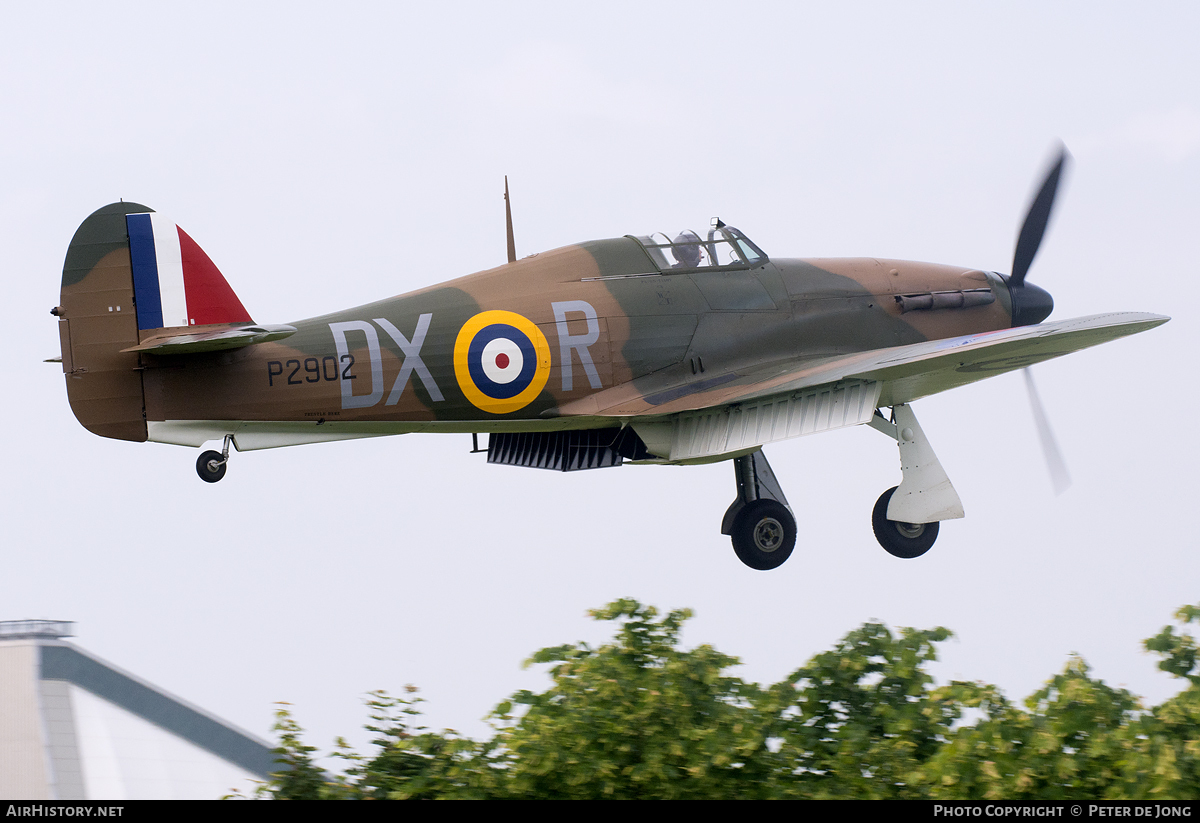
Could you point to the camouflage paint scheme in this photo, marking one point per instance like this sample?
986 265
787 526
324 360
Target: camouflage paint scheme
621 342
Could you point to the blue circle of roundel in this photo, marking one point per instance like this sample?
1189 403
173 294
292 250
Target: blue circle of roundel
501 391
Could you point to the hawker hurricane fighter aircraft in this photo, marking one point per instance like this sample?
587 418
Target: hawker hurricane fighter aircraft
682 348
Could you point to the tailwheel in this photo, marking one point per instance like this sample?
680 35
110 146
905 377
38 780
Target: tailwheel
764 534
905 540
211 466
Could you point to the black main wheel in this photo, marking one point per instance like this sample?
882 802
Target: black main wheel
211 466
905 540
764 534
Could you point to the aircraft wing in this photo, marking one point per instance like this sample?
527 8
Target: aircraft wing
741 410
921 369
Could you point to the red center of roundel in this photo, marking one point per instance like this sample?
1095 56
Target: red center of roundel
502 361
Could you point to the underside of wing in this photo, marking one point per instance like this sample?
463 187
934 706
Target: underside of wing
724 415
923 369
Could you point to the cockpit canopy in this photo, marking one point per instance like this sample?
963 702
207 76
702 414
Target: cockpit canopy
725 247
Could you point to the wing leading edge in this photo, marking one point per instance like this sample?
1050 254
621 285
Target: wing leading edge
740 411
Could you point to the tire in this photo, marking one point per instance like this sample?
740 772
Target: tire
906 540
207 472
764 534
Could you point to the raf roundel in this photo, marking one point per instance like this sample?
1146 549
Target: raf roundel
501 361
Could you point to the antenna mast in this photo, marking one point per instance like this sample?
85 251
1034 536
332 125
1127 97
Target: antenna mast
512 244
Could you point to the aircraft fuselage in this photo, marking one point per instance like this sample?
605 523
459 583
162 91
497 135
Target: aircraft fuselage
606 318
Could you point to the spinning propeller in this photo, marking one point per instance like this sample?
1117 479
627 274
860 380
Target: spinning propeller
1031 305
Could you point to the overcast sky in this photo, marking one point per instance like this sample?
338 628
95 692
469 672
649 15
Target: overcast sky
326 158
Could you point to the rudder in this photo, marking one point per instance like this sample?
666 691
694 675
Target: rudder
128 274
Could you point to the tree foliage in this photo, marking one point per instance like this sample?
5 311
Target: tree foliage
641 717
636 718
298 777
863 718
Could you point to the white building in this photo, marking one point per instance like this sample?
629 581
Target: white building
73 727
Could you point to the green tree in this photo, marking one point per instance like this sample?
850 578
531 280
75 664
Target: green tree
298 778
641 717
864 717
1170 736
413 763
1073 740
1080 738
982 760
637 718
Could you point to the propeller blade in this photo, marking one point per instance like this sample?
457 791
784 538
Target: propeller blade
1059 477
1035 221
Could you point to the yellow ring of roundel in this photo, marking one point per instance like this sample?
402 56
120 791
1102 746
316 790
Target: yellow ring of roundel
463 375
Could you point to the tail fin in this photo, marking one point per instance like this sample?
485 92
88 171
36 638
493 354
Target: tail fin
129 273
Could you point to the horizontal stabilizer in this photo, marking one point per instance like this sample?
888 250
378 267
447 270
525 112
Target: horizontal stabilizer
212 340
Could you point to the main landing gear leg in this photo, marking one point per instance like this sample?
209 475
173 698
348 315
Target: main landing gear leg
759 521
906 517
211 465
